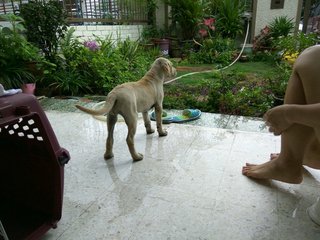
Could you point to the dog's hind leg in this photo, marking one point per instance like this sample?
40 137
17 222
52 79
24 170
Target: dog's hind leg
147 123
132 127
111 122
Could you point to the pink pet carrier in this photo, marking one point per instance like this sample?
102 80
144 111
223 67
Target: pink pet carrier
31 169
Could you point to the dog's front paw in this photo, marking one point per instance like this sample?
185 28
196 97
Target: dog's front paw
163 133
108 156
138 157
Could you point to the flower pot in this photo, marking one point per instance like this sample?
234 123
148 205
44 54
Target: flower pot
163 44
28 88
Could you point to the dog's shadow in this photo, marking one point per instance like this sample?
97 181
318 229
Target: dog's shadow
129 181
129 195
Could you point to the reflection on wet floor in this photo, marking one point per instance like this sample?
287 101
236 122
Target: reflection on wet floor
189 185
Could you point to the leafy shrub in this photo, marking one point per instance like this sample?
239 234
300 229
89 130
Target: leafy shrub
295 43
46 24
229 18
278 28
97 65
181 96
185 17
281 27
277 83
69 81
149 32
216 50
233 93
16 53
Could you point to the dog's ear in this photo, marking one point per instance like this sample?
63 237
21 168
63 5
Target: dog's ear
165 66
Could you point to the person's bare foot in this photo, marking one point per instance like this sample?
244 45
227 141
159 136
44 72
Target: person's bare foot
273 170
272 157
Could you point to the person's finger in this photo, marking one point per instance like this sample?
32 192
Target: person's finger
277 133
271 129
268 123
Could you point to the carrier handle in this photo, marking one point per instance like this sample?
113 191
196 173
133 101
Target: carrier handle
63 157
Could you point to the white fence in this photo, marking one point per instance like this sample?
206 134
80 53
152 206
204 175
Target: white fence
117 32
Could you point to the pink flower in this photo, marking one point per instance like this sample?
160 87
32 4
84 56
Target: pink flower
92 45
203 32
207 27
209 22
265 30
212 28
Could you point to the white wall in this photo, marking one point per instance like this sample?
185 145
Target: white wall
265 15
117 32
86 32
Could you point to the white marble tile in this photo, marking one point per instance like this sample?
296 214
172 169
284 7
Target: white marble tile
246 124
188 186
254 142
184 217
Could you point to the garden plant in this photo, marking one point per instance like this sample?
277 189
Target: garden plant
16 54
74 67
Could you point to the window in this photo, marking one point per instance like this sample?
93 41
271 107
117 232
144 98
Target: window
277 4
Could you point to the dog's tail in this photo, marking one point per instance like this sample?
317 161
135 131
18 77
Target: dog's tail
110 101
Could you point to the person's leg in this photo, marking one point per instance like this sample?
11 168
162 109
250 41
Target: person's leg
312 154
308 70
286 167
298 142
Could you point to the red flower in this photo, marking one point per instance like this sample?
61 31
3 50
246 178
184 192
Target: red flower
265 30
209 22
212 28
203 32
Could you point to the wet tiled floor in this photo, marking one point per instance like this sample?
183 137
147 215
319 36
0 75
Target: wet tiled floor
189 185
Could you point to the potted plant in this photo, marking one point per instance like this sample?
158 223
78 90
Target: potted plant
149 32
162 42
16 54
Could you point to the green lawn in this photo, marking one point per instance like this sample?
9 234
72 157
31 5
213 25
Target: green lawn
263 69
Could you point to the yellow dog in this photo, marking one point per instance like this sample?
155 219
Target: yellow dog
130 98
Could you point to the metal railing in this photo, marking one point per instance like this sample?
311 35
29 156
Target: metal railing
9 6
93 11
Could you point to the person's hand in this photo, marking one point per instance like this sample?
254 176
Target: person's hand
276 119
